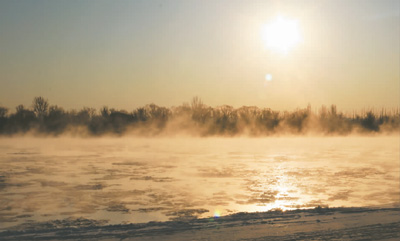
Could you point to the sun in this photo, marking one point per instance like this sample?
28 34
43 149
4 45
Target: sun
281 35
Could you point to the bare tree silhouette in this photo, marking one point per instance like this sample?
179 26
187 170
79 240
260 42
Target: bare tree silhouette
197 103
40 106
195 118
3 118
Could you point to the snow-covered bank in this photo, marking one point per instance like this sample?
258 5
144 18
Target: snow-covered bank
314 224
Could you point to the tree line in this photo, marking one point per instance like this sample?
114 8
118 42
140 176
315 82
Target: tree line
194 118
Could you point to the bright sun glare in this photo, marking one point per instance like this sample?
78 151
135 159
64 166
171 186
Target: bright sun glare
281 34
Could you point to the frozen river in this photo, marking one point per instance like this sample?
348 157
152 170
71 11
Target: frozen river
131 180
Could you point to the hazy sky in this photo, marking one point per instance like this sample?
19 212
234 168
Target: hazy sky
126 54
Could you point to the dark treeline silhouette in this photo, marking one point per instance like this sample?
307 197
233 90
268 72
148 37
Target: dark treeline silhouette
195 118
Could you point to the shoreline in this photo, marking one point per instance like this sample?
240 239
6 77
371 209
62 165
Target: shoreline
345 223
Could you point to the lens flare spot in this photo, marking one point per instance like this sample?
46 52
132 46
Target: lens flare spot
268 77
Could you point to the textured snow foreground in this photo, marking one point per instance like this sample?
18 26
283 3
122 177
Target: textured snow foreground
314 224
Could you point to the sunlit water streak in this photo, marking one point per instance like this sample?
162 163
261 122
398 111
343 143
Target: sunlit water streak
125 180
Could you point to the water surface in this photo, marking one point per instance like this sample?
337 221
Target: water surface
130 180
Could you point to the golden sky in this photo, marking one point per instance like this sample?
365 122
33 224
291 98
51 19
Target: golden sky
126 54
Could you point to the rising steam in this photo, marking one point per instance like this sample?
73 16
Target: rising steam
194 119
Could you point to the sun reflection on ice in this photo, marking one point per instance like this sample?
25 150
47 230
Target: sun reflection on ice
282 189
217 214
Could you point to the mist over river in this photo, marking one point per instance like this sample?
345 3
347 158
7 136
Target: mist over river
135 180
